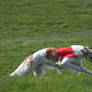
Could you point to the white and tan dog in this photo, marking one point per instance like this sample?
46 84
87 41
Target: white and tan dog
71 58
35 62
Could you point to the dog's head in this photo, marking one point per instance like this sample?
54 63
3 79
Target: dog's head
87 53
51 54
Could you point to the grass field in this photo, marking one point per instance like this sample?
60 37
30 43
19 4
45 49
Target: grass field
29 25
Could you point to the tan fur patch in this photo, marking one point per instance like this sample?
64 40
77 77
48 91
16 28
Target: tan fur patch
51 54
29 60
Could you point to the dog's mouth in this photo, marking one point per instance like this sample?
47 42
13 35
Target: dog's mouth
89 57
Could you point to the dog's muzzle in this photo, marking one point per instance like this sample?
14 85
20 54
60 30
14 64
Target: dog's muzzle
89 57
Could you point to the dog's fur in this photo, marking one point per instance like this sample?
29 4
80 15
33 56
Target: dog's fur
35 62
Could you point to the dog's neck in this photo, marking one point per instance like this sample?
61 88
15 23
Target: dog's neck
77 47
78 50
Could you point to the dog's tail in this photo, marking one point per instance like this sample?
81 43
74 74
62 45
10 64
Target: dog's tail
23 69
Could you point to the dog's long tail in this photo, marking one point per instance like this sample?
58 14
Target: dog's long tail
24 68
21 70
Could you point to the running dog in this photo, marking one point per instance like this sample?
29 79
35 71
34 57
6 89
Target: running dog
35 62
71 58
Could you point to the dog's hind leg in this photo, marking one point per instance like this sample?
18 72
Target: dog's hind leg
39 71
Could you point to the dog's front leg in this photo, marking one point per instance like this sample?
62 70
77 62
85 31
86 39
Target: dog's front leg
84 70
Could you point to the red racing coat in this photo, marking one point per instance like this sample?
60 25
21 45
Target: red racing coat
66 52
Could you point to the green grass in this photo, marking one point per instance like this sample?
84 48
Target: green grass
29 25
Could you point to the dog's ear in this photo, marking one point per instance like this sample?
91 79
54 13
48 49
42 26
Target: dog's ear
85 50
